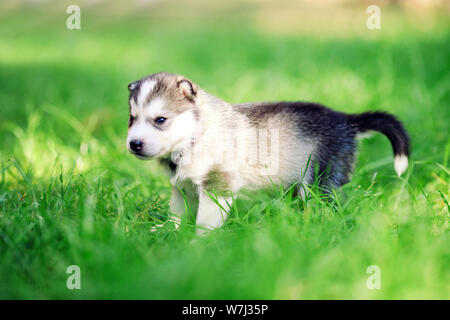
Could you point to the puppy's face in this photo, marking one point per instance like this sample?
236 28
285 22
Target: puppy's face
162 115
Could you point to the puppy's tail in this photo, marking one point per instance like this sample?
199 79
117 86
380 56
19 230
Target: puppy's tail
391 128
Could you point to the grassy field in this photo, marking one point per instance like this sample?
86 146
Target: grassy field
70 194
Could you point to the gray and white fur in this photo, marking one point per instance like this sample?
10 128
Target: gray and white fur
215 149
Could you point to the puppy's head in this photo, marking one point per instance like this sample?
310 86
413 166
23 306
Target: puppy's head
162 114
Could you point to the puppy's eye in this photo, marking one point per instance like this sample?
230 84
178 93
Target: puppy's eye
131 120
160 120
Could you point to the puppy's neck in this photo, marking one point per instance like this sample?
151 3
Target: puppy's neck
213 116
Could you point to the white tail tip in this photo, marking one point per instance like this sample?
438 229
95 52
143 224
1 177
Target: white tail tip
400 164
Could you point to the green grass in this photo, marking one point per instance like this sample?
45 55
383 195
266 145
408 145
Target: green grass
71 194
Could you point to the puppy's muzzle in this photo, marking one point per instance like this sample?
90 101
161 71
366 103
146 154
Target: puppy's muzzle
136 146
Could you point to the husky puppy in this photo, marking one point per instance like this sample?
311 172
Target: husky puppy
214 149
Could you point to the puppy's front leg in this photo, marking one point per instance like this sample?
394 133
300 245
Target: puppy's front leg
177 206
211 215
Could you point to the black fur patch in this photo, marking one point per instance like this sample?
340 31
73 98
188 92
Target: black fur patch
134 89
333 131
172 166
169 164
159 86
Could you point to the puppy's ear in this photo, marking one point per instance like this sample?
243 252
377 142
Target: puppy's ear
132 86
188 89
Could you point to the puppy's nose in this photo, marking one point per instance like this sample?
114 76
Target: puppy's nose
136 145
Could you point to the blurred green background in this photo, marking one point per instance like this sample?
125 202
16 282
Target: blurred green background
70 194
